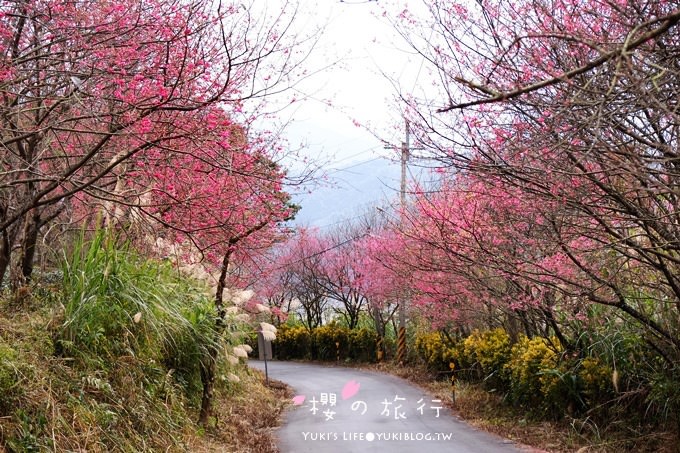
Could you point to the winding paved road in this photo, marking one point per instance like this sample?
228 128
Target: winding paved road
349 410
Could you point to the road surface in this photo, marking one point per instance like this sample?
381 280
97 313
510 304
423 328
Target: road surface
348 410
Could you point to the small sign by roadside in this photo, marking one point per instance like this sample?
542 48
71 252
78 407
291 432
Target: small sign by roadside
264 349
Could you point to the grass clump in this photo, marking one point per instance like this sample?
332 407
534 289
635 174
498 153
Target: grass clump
110 359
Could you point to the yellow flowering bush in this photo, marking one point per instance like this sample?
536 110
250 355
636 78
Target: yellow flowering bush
329 341
529 358
435 350
363 345
596 378
487 352
535 372
539 378
292 343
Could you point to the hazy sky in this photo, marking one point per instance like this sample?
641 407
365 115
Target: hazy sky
359 40
361 97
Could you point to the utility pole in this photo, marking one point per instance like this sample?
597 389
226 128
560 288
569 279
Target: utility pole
401 336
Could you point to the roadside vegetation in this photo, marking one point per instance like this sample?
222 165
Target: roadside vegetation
105 354
528 390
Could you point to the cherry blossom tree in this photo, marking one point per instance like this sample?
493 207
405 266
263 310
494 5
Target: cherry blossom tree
560 116
139 112
341 273
296 267
273 283
86 86
385 281
320 272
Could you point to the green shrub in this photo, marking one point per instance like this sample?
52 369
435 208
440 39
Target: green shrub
10 378
31 435
117 304
664 395
184 350
627 377
112 362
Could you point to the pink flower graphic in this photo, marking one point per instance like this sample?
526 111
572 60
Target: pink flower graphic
350 389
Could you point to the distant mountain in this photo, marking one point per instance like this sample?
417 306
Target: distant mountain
351 191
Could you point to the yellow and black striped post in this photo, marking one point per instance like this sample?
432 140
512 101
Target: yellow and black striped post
401 345
379 349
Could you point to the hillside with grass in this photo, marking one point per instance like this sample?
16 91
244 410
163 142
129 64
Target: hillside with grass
106 352
134 187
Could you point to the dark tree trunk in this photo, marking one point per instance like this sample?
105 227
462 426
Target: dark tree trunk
208 366
31 230
380 330
6 243
5 254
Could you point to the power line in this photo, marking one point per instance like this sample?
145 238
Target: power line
358 164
